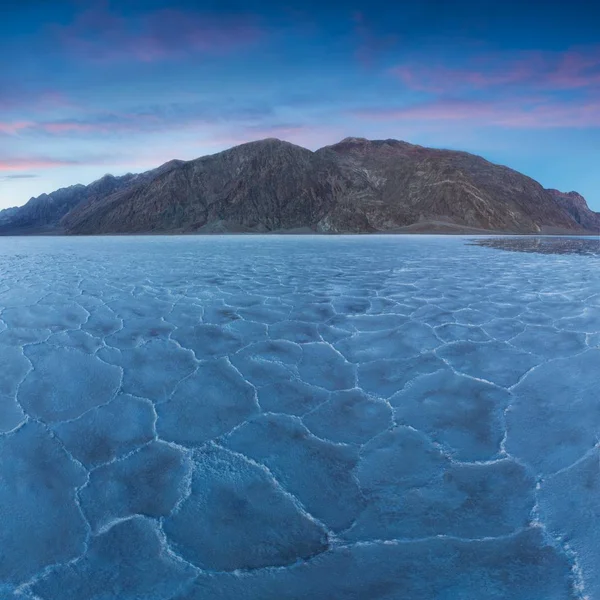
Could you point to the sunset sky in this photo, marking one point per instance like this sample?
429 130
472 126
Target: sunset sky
94 87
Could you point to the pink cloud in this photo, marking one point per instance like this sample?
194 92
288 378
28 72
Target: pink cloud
443 79
15 98
523 114
576 69
59 127
26 164
66 127
14 127
103 123
101 35
573 69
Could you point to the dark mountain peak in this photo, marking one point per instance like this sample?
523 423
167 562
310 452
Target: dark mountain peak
265 142
272 154
362 147
268 144
108 180
351 144
354 140
576 196
175 162
164 168
270 140
64 190
360 141
44 196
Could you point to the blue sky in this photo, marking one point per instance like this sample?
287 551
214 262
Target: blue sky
94 87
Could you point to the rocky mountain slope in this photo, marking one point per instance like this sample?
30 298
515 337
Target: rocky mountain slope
356 185
410 184
577 207
7 214
44 213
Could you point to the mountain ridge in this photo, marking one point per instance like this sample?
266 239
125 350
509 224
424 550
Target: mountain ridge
353 186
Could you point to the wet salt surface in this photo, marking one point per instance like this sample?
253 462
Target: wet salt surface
545 245
185 418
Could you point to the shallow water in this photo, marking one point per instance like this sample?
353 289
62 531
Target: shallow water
297 417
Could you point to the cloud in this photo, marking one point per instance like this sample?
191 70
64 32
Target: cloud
145 119
100 34
14 165
14 127
577 69
94 124
523 113
27 164
574 69
524 90
20 176
14 97
99 123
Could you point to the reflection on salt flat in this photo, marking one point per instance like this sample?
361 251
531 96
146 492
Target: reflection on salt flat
545 245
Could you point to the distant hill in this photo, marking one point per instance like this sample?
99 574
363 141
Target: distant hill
354 186
44 213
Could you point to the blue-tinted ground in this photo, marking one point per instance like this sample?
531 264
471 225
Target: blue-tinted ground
288 418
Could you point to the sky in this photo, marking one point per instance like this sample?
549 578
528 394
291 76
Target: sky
89 87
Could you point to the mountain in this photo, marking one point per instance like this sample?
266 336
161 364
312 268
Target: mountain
7 214
408 184
258 186
44 213
577 207
356 185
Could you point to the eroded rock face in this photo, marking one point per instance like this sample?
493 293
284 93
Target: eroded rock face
357 185
577 207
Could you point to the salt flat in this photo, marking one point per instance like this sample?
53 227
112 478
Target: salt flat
184 418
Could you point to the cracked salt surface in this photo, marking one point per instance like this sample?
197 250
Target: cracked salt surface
392 418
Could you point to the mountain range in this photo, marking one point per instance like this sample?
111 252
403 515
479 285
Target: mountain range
354 186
